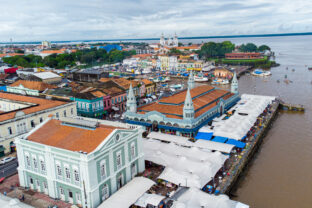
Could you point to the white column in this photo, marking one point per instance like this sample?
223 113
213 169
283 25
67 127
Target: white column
128 171
112 171
51 175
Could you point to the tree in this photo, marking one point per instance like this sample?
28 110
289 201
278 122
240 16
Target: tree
249 47
263 48
174 51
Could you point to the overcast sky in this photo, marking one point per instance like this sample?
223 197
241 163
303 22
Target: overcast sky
28 20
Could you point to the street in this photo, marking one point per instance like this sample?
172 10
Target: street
8 169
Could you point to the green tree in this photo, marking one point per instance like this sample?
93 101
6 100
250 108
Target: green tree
263 48
249 47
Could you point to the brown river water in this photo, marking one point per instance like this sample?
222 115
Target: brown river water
280 174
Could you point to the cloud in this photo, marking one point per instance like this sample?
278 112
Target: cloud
36 20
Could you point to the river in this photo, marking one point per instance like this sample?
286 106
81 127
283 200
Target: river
280 174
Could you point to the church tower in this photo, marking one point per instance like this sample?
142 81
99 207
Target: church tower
188 108
131 101
162 40
191 81
175 40
234 84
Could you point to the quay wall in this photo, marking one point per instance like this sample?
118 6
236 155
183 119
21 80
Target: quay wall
235 171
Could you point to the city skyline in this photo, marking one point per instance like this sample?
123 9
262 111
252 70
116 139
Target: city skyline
79 20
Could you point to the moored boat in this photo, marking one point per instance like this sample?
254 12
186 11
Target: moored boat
260 73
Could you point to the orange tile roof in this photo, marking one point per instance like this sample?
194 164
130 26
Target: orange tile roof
147 82
180 97
42 104
103 79
142 55
98 93
53 51
11 54
176 111
113 91
53 133
34 85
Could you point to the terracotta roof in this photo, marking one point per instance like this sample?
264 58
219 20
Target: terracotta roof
113 91
105 79
142 55
42 104
176 111
98 93
53 133
180 97
34 85
146 81
11 54
53 51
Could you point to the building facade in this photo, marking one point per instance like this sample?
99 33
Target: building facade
87 165
20 114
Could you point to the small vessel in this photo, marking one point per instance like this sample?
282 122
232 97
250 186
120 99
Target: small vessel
310 68
293 70
200 79
285 76
167 79
278 81
286 68
220 82
260 73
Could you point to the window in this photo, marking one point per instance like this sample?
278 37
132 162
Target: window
103 169
43 167
59 170
35 163
10 130
132 150
105 192
45 185
64 113
61 191
72 111
27 161
78 197
70 194
118 160
57 115
76 174
67 173
41 119
115 100
32 123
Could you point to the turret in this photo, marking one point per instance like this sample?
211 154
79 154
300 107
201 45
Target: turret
188 108
175 40
162 40
131 101
234 84
191 81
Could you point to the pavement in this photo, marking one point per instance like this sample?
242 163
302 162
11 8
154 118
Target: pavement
11 186
8 169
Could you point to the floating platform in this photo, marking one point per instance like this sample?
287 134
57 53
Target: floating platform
291 107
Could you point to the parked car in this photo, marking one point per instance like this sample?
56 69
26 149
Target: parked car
7 159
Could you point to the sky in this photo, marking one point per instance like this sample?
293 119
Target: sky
37 20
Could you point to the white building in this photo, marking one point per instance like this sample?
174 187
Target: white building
169 42
80 161
19 114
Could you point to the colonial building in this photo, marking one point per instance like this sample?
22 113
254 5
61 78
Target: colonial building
80 161
182 113
240 55
27 87
19 114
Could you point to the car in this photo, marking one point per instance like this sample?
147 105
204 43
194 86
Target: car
7 159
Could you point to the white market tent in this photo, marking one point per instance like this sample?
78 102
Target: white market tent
246 112
8 202
46 75
195 198
190 167
152 199
129 194
184 141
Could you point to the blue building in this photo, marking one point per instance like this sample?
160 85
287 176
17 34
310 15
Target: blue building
110 47
185 112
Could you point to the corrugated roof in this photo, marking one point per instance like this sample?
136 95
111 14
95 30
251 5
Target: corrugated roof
34 85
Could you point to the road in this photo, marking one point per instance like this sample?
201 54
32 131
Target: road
8 169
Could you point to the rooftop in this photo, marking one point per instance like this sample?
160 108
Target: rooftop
55 133
34 85
40 104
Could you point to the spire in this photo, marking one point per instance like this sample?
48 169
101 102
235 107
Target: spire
188 108
131 101
191 81
234 84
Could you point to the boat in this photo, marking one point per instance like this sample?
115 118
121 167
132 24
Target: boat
167 79
310 68
200 79
260 73
220 82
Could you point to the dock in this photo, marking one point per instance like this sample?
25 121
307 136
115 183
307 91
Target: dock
240 161
291 107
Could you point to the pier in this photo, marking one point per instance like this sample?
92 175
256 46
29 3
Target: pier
241 160
291 107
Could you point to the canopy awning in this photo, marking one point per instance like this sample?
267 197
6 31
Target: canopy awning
154 97
238 144
129 194
204 135
152 199
115 108
219 139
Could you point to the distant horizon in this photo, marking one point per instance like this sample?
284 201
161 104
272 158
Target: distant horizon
149 39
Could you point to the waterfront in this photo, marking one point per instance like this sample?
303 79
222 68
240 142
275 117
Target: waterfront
280 175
